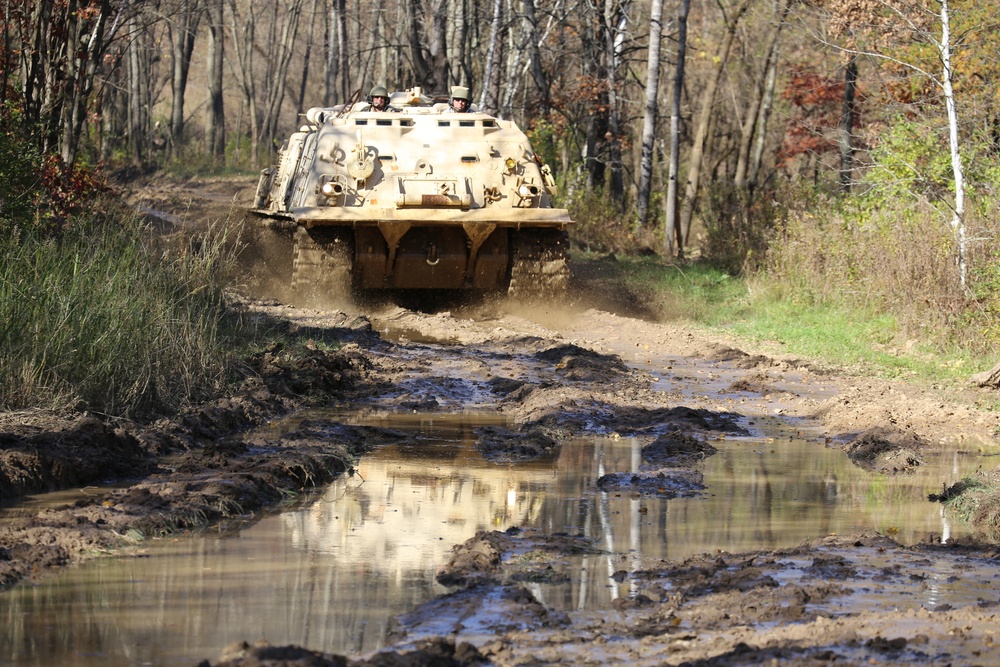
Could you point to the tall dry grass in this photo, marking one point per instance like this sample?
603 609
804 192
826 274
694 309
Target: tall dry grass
900 260
104 317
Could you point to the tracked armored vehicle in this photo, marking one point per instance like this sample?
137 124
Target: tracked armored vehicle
418 198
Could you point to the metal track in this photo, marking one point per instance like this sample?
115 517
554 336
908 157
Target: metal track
540 267
322 264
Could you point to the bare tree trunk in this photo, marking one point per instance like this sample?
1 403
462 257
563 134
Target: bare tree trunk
516 47
751 124
87 39
215 125
343 66
421 68
338 76
672 223
705 116
381 27
136 97
330 46
38 61
466 13
765 115
487 97
535 58
649 119
337 73
846 138
616 21
439 45
7 65
185 26
301 102
243 41
280 58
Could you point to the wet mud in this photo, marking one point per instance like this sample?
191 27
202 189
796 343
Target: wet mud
551 373
851 600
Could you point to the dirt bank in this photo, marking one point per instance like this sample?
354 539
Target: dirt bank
591 365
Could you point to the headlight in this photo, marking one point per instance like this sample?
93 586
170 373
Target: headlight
332 189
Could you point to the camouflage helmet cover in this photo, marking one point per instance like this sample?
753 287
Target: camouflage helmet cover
460 93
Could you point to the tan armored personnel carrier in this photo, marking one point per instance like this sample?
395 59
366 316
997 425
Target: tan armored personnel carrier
418 198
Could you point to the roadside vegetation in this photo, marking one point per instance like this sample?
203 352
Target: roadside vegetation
96 312
864 284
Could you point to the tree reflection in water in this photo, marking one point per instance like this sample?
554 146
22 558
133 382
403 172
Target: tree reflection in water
331 573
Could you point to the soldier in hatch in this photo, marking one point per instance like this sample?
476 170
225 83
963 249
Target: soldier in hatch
378 100
460 100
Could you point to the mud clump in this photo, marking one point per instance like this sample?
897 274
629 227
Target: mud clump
434 652
492 557
677 450
581 415
504 445
886 450
490 572
667 483
43 452
581 364
644 420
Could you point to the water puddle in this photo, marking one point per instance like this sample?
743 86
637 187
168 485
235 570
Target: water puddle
330 574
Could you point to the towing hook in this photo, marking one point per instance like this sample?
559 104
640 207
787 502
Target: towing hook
432 255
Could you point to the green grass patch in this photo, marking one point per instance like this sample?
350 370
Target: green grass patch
696 292
765 312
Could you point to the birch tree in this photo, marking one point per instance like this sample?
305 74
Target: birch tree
652 104
892 26
616 23
958 211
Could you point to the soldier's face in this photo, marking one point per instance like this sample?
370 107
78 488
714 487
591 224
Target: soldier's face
460 104
380 102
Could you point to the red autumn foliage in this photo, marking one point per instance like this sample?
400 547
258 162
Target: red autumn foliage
817 104
67 190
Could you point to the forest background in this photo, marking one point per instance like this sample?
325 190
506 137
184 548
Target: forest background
837 154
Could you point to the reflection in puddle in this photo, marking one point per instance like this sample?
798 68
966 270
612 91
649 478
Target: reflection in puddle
331 574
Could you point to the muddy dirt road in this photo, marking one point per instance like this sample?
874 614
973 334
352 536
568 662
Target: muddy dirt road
559 373
601 363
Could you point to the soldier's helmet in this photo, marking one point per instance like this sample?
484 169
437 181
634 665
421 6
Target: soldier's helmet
460 93
378 91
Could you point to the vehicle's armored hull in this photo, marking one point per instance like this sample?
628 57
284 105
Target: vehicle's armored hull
418 198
